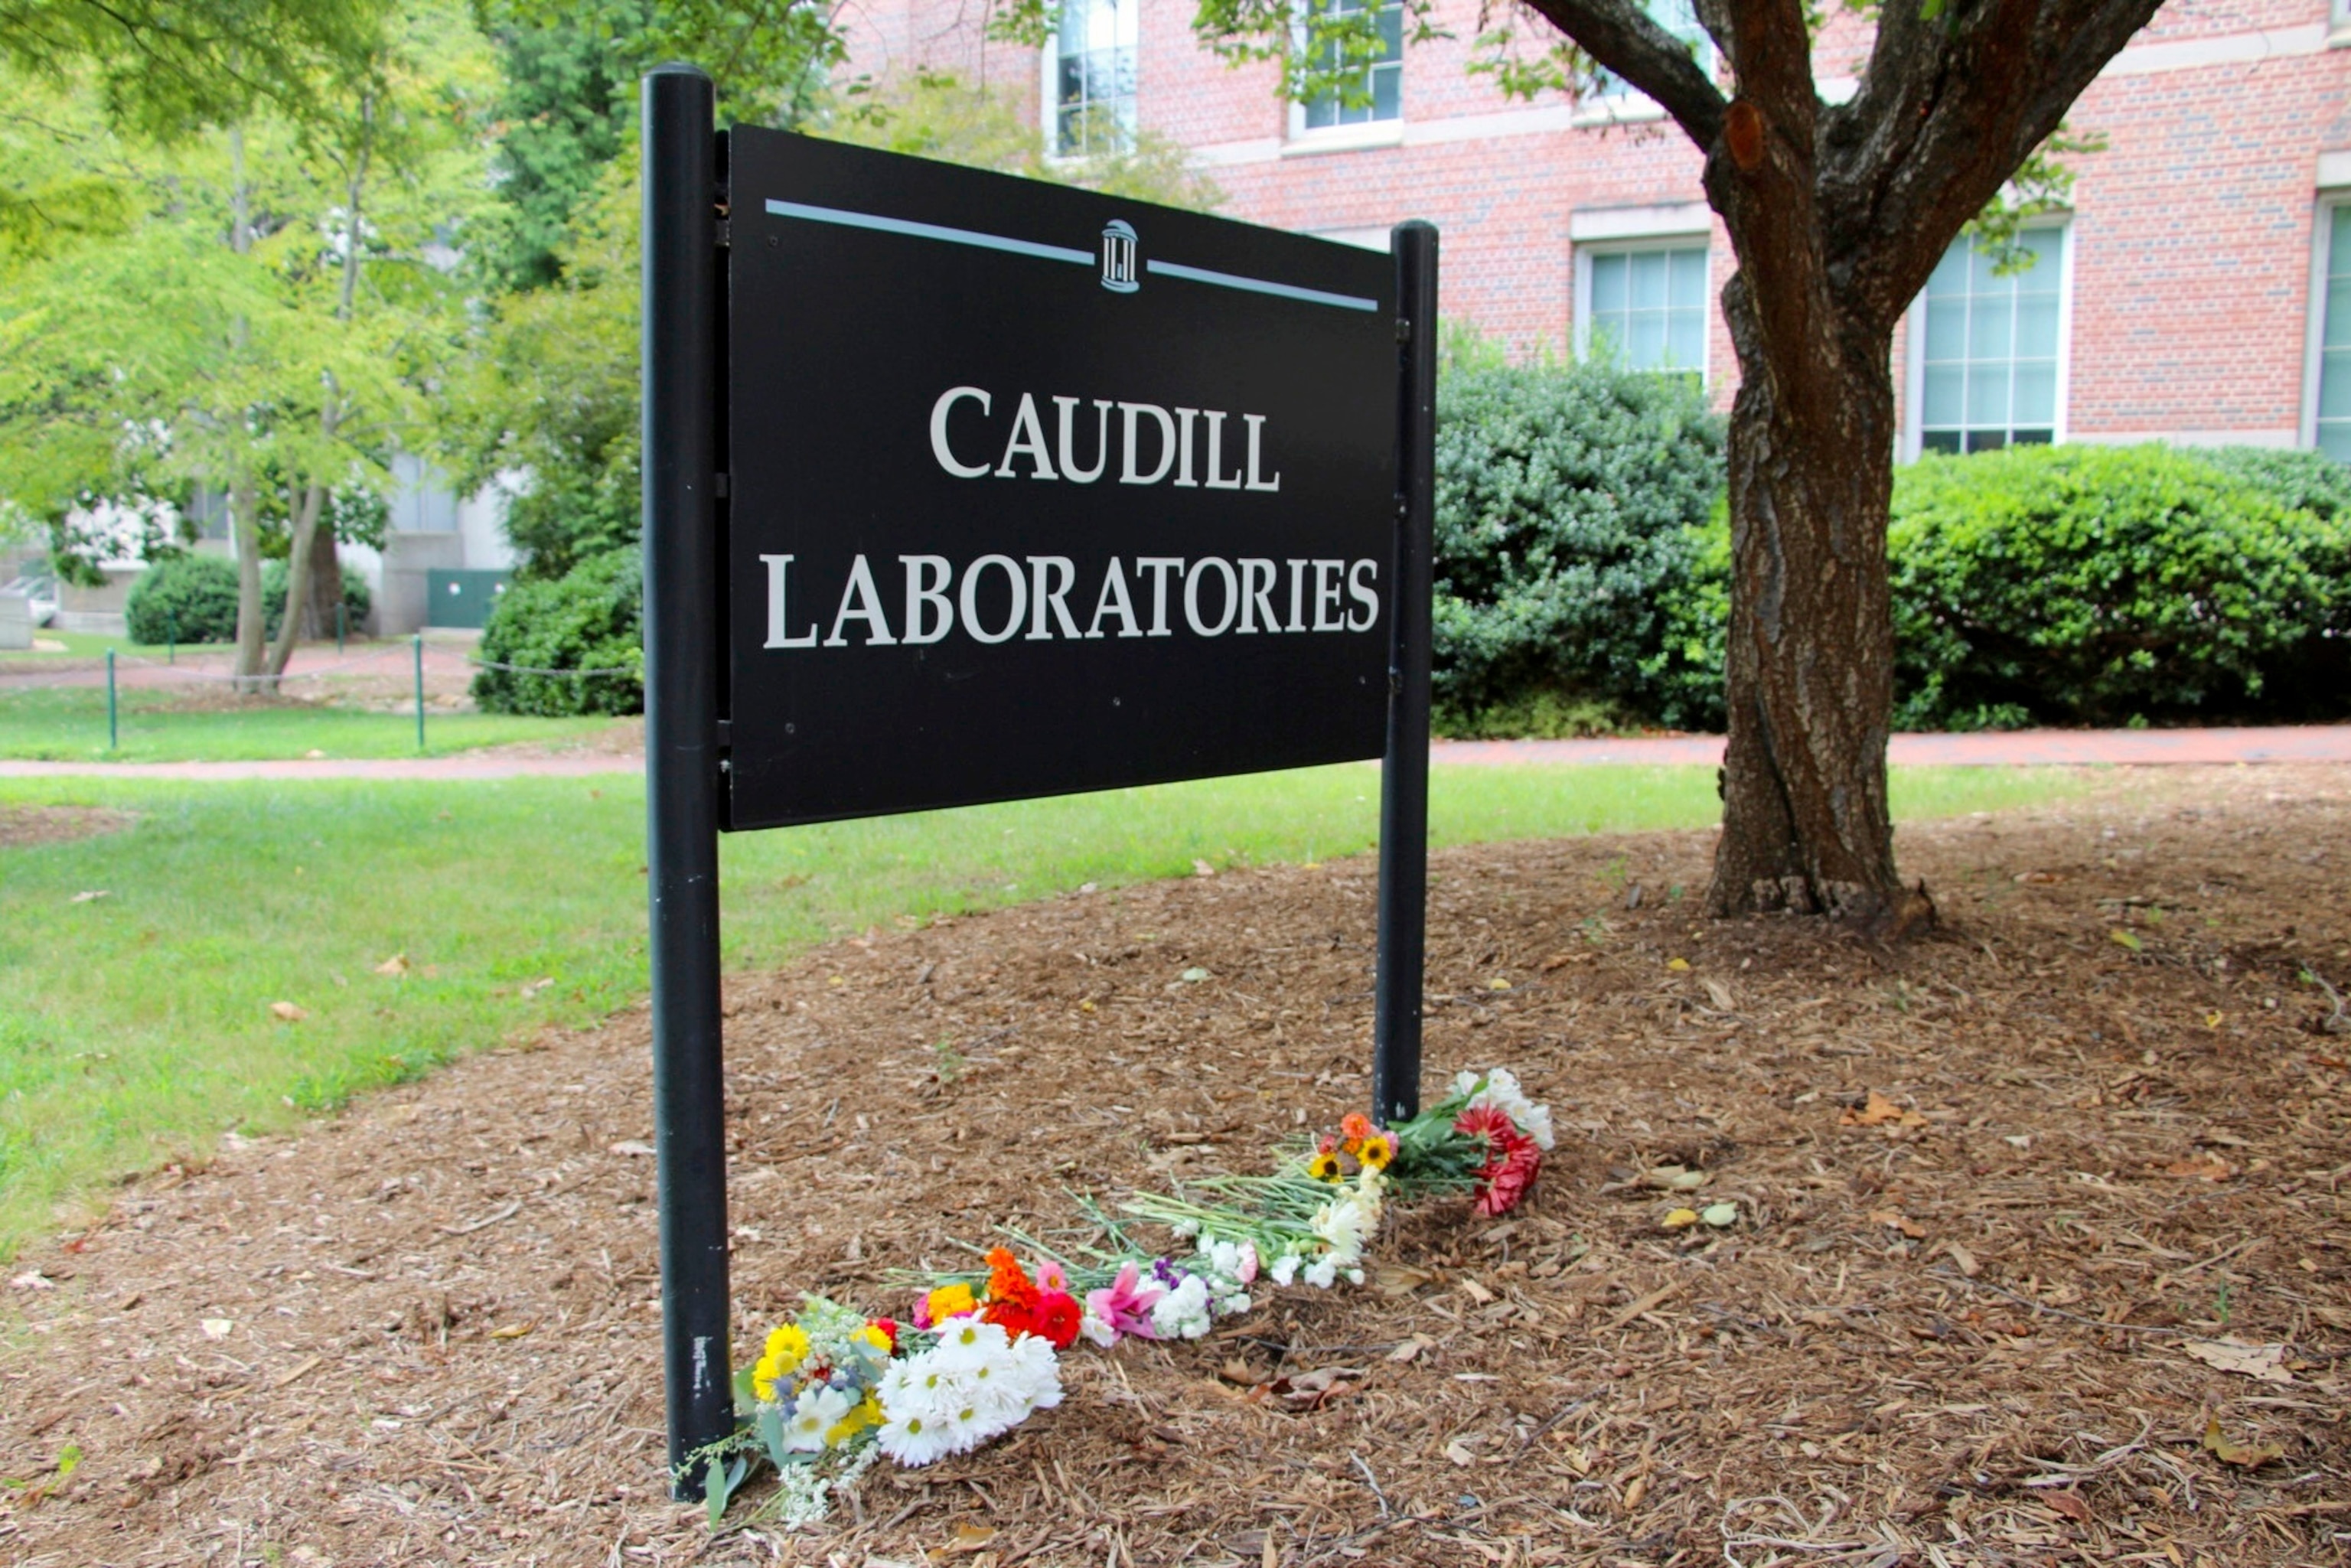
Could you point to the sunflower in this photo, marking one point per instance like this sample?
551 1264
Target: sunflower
1324 1165
1377 1150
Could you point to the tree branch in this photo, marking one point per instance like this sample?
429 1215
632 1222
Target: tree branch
1621 37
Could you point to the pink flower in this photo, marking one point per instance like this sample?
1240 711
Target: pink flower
1050 1276
1125 1304
1248 1270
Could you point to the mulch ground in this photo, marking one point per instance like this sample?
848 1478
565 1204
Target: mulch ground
22 827
1955 1329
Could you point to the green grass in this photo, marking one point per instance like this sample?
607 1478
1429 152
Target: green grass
77 645
136 1026
68 723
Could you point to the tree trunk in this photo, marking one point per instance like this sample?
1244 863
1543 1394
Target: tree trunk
290 616
1810 669
252 620
325 586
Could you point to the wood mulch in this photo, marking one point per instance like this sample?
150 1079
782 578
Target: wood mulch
1953 1324
24 826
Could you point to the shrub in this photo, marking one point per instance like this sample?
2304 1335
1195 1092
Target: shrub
2103 585
1571 505
2298 480
591 618
193 599
183 598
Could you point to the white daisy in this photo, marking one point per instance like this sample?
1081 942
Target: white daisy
916 1438
817 1411
968 1341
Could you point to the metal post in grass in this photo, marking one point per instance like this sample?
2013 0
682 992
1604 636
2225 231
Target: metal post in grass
416 647
172 636
1404 771
113 729
681 457
339 628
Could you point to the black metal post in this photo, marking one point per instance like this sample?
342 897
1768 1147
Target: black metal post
681 423
1403 772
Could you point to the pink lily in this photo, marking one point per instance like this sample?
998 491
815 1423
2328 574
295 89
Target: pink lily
1125 1304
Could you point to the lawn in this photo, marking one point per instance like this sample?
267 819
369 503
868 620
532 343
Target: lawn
137 1026
68 723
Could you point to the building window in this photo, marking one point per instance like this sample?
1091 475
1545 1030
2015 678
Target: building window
1381 83
2333 352
1644 308
1679 18
1089 77
1989 353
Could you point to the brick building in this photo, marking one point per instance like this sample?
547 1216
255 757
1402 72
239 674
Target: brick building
2198 291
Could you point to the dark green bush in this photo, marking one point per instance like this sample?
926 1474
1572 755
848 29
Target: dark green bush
184 599
2301 481
1572 512
2107 585
193 599
590 619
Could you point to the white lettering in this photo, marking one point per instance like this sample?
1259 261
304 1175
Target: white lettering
1297 595
1217 453
1326 592
1192 596
777 565
939 447
861 602
928 576
1363 595
1114 602
971 597
1256 585
1159 566
1028 437
1042 598
1256 479
1070 469
1184 480
1130 472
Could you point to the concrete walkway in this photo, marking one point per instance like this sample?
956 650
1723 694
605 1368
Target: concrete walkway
2033 748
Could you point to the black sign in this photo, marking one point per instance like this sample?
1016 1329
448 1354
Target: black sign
1033 490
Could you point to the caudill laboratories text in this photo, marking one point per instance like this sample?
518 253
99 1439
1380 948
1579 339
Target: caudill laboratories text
1038 598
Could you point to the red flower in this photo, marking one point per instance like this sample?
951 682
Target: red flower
1006 1282
889 1327
1010 1316
1512 1159
1056 1319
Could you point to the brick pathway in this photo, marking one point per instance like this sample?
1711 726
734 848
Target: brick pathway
2035 748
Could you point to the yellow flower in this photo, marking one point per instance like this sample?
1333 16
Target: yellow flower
1324 1165
1378 1151
950 1301
786 1349
871 1335
867 1414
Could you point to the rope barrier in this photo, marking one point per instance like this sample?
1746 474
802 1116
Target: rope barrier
529 670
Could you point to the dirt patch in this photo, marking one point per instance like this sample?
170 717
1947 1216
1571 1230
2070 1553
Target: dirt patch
622 738
21 826
1954 1334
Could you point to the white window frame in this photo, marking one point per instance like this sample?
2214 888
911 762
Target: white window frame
1304 138
1049 80
1686 239
1914 355
2322 240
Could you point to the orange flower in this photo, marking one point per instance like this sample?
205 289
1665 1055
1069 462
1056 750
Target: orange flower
1355 1127
1007 1283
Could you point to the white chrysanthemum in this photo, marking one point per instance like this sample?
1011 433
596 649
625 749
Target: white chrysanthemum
1321 1272
1182 1312
1097 1329
922 1385
916 1437
817 1411
1502 1092
968 1341
1233 1305
1039 1370
1284 1269
1343 1224
1354 1276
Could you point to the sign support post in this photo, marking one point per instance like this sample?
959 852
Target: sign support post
1403 769
681 761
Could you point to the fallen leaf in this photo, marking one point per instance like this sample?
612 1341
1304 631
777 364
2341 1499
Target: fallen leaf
633 1146
1235 1370
1674 1178
287 1013
1476 1293
1308 1390
1411 1347
2038 878
1202 868
2264 1362
2018 1140
216 1328
971 1537
2203 1167
1719 1215
2212 1020
1678 965
1458 1453
2122 939
1194 975
1679 1218
1963 1257
514 1331
395 964
1719 994
1635 1491
532 987
2232 1453
1901 1221
2068 1504
1497 984
89 894
1399 1279
1878 1111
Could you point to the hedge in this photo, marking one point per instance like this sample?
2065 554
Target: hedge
193 599
591 618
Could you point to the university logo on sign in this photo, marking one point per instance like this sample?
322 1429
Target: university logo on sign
1004 521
